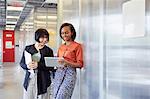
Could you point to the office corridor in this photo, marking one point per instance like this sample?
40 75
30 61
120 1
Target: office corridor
115 35
11 76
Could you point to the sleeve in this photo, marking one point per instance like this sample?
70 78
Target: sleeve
58 53
79 55
23 63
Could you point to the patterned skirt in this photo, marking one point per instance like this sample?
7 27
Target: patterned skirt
64 83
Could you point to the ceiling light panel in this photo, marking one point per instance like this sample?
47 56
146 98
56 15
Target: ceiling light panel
52 17
11 26
51 1
14 8
29 23
10 22
13 17
13 13
44 17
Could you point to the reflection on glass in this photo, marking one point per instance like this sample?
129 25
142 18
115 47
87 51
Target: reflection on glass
115 67
134 18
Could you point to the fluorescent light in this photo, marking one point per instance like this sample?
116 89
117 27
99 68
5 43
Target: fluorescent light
41 25
28 23
40 22
44 22
27 27
44 17
52 17
21 29
51 1
10 26
51 23
14 17
14 8
11 22
41 17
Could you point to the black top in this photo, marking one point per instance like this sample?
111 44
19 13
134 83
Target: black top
43 74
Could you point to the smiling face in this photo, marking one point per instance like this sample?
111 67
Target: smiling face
41 36
43 40
66 33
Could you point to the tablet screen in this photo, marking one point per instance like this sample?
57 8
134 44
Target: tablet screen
53 62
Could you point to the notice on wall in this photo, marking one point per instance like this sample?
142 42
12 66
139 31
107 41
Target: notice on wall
134 18
8 44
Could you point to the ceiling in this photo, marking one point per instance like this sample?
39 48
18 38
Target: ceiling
2 14
14 12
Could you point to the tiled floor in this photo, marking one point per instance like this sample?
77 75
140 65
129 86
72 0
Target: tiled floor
11 79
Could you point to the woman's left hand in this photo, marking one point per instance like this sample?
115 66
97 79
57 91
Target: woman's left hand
63 62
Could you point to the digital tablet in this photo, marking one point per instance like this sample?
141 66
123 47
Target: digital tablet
53 62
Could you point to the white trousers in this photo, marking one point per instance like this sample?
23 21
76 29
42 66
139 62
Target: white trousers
31 92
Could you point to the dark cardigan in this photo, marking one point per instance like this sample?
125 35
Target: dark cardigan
43 74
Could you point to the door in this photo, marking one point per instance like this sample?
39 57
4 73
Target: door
8 46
